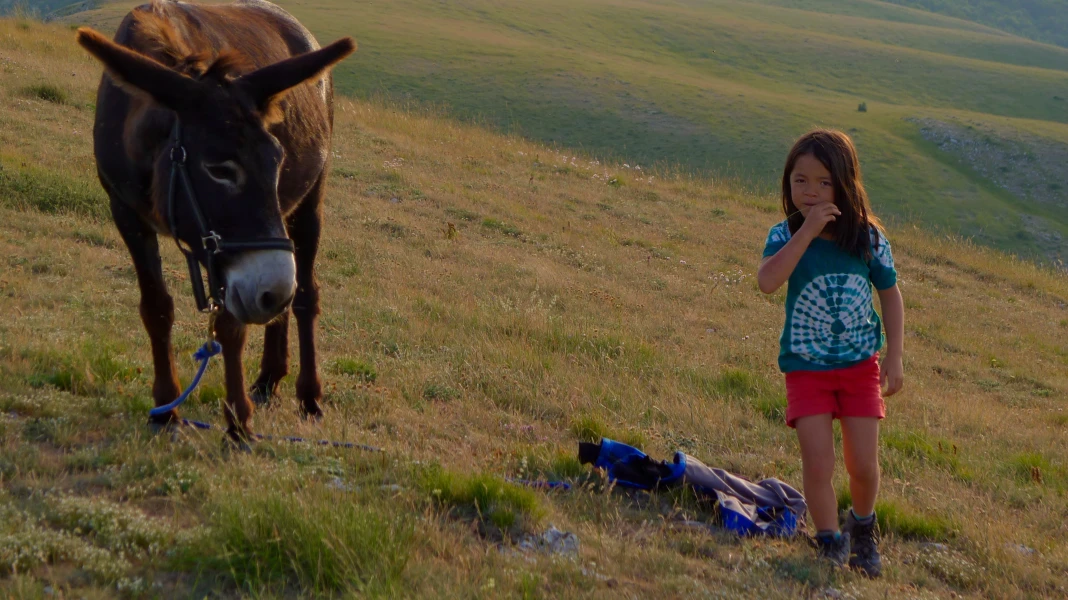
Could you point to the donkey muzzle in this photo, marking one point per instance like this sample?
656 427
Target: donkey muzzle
260 285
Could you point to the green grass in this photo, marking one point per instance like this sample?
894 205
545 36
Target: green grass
321 539
48 93
588 428
508 508
361 370
904 521
1041 20
49 192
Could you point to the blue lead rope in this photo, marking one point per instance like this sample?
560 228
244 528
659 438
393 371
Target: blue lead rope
269 438
204 354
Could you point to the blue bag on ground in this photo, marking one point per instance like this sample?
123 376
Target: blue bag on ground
767 507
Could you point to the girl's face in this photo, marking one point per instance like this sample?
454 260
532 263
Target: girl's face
810 184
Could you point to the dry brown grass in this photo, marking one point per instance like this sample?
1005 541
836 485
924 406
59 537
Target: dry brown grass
561 303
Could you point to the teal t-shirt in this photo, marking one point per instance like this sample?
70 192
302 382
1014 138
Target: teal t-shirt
831 321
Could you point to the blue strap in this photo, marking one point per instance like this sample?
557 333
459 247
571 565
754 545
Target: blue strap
204 354
541 485
269 438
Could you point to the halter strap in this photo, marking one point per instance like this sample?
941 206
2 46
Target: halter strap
212 243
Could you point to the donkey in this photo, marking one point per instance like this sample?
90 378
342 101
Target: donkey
213 127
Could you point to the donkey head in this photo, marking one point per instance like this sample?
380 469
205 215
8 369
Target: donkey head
233 162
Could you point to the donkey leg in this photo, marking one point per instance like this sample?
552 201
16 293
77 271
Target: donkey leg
231 334
275 362
157 307
305 225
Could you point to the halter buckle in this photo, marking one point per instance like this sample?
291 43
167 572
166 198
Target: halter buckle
212 243
184 155
213 314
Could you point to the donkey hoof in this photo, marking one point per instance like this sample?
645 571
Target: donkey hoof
168 421
260 398
238 439
230 445
311 413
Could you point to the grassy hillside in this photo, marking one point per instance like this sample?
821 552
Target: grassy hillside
44 8
724 86
577 299
1040 20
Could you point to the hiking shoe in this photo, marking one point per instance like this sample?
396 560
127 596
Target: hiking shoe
835 551
864 550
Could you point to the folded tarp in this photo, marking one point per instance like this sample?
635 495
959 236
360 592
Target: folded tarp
766 507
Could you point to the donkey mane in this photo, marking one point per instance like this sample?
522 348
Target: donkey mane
170 42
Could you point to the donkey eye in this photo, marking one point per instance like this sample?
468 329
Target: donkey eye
228 173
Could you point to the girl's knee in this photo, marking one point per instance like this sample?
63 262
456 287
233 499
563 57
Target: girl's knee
867 471
820 470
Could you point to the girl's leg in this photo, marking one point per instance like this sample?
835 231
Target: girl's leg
817 462
860 448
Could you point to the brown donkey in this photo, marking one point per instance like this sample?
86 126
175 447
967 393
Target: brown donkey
213 127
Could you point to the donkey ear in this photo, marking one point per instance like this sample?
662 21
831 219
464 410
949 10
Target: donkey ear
138 72
267 85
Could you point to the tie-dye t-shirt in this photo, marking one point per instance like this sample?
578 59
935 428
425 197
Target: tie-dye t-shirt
831 321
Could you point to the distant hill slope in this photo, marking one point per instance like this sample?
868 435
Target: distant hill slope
45 8
724 86
1040 20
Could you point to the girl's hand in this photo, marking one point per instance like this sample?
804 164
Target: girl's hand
892 375
817 219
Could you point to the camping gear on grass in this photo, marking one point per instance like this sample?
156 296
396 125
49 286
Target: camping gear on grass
767 507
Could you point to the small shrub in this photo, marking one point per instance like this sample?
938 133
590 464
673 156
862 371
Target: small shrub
508 507
436 391
359 369
1033 467
51 193
310 537
119 528
80 375
345 173
735 383
462 214
773 408
559 466
501 227
901 521
588 429
48 93
730 383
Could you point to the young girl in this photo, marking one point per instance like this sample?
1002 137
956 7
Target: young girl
831 250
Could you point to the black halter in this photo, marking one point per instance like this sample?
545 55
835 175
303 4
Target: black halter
213 243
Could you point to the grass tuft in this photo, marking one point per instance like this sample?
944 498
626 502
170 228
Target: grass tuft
316 538
48 93
361 370
508 507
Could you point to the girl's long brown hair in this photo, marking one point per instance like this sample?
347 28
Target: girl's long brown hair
854 228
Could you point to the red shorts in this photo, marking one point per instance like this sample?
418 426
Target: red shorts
850 392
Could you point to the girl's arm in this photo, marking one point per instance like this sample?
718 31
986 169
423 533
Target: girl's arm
775 270
893 372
